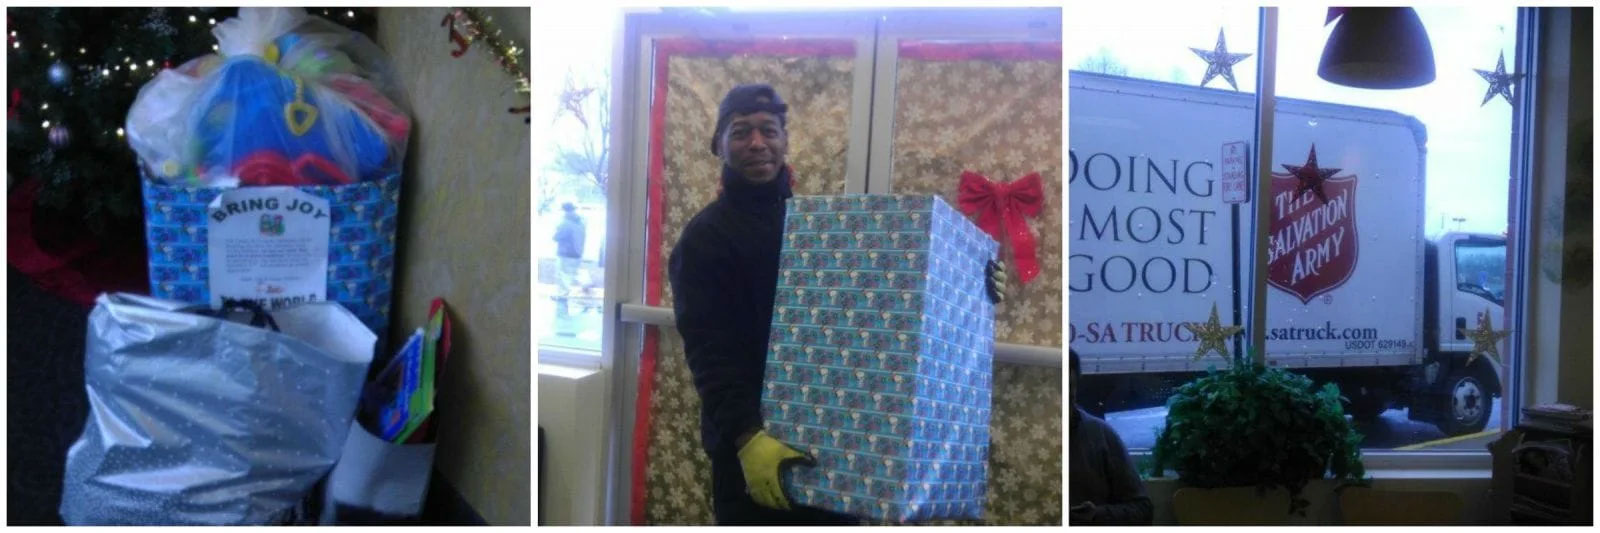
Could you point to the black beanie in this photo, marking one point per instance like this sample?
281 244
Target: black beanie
746 99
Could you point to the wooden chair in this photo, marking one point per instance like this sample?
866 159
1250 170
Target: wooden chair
1361 506
1234 506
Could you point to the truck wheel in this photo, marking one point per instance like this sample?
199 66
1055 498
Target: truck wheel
1469 404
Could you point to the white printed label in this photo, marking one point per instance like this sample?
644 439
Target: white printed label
1235 173
268 245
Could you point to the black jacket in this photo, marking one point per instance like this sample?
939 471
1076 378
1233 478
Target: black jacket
569 236
1101 471
724 274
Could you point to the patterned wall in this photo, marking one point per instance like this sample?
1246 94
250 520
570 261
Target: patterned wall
1001 119
1025 456
678 479
997 111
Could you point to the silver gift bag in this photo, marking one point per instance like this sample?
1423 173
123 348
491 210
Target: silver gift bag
201 420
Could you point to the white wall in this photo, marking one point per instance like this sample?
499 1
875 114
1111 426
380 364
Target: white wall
571 412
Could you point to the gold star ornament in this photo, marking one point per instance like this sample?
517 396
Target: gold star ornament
1485 340
1212 334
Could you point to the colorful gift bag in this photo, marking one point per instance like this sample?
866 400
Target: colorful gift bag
361 244
881 357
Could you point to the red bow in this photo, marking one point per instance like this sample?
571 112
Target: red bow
1004 206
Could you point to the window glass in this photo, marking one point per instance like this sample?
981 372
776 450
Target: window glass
1480 269
571 165
1414 177
1374 269
1153 123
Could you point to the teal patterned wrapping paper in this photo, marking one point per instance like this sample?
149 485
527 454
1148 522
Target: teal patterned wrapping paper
361 244
881 357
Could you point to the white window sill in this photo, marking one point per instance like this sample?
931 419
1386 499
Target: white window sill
1385 464
1396 474
563 371
1444 473
1472 485
562 357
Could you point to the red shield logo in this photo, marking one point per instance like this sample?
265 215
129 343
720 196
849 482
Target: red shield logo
1312 247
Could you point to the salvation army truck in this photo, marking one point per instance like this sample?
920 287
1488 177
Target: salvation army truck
1159 235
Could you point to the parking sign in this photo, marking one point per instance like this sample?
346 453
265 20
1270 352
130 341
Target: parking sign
1235 173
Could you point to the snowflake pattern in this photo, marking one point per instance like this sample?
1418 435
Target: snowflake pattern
932 147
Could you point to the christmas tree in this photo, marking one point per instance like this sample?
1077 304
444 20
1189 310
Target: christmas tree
73 73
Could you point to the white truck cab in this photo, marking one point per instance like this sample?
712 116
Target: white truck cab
1465 284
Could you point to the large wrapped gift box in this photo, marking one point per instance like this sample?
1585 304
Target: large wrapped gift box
881 357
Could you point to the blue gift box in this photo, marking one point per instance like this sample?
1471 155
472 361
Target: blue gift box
881 357
361 244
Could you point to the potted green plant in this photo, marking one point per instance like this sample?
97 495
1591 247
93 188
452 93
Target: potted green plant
1252 425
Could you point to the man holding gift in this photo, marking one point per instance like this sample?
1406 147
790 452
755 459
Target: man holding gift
724 275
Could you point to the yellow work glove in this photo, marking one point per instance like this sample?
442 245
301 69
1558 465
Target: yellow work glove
761 459
997 281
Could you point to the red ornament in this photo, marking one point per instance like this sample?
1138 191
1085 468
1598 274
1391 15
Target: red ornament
1002 210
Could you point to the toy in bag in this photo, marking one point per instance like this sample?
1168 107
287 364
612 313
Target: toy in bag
290 99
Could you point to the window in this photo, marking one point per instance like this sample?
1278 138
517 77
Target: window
572 163
1410 159
1383 260
1159 103
1480 269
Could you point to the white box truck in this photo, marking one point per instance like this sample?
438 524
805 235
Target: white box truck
1357 295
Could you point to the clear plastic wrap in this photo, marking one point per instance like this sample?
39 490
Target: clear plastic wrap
290 99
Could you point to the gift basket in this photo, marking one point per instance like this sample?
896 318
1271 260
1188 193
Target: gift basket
290 102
